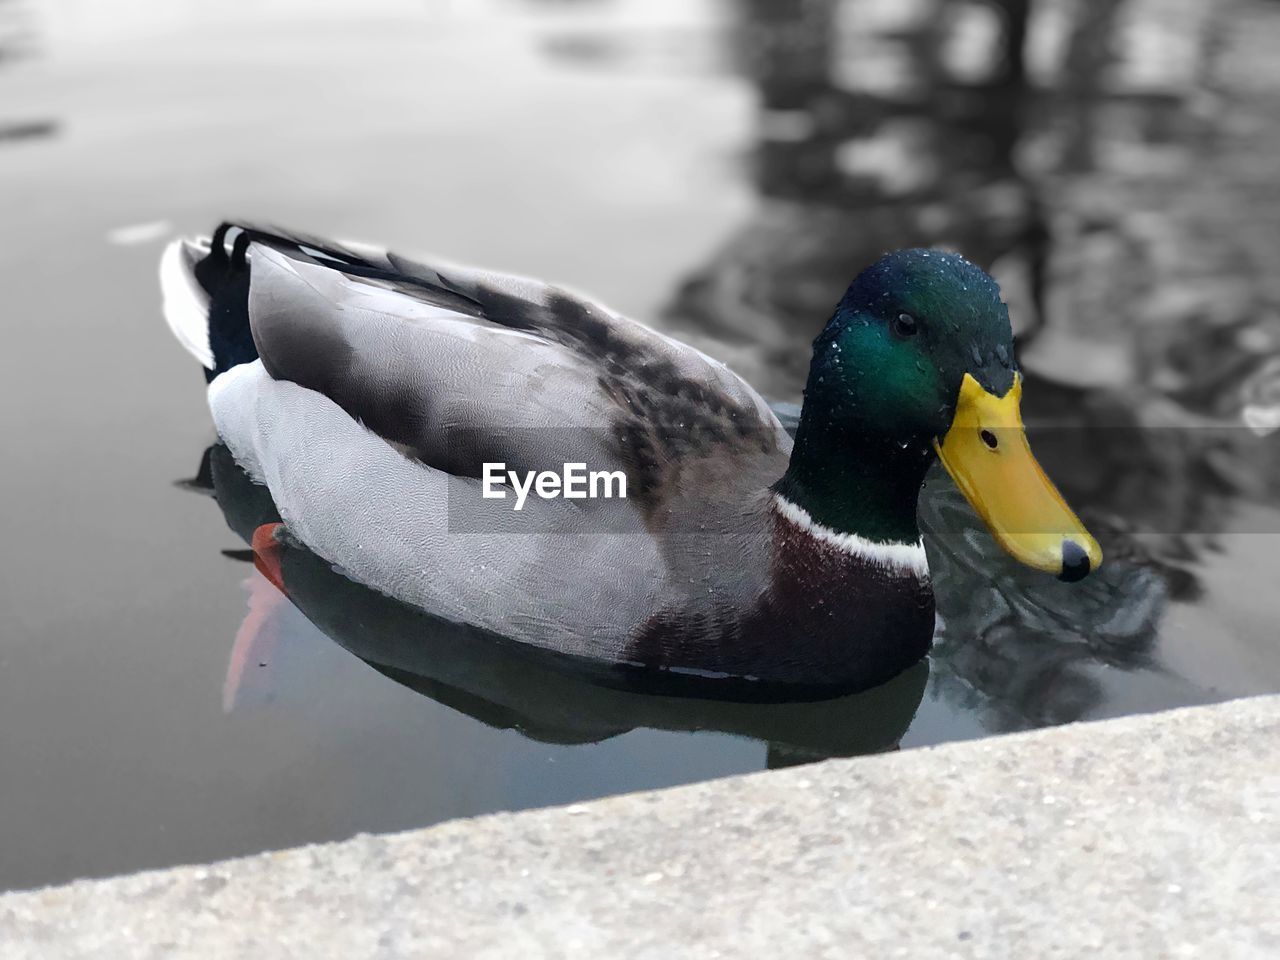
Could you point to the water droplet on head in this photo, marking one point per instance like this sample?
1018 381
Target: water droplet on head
1002 354
977 354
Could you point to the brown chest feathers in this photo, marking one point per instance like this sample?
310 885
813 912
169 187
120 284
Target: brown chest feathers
835 612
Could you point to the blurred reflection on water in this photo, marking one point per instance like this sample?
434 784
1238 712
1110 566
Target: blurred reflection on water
722 168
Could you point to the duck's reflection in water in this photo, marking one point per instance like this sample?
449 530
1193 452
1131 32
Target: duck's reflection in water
1026 651
545 697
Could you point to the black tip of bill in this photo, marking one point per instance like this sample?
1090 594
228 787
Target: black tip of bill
1075 562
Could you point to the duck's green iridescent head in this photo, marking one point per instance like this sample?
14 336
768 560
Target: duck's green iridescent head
918 361
893 356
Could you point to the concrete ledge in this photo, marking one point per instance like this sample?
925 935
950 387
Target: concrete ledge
1153 836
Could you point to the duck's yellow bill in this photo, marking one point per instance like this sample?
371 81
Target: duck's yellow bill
987 454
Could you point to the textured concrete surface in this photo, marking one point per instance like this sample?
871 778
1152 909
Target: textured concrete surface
1144 837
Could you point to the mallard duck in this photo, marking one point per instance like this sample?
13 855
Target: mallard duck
372 394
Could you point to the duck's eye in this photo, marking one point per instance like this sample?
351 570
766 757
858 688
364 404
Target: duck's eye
904 325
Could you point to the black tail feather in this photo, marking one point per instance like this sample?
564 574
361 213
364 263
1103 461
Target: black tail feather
226 280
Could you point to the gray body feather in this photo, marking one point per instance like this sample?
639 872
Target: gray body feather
376 400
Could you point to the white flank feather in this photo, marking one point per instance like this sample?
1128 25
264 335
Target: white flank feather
186 307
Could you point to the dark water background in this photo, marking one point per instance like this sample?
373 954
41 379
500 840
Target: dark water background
718 169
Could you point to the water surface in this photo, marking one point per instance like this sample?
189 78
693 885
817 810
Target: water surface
159 704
